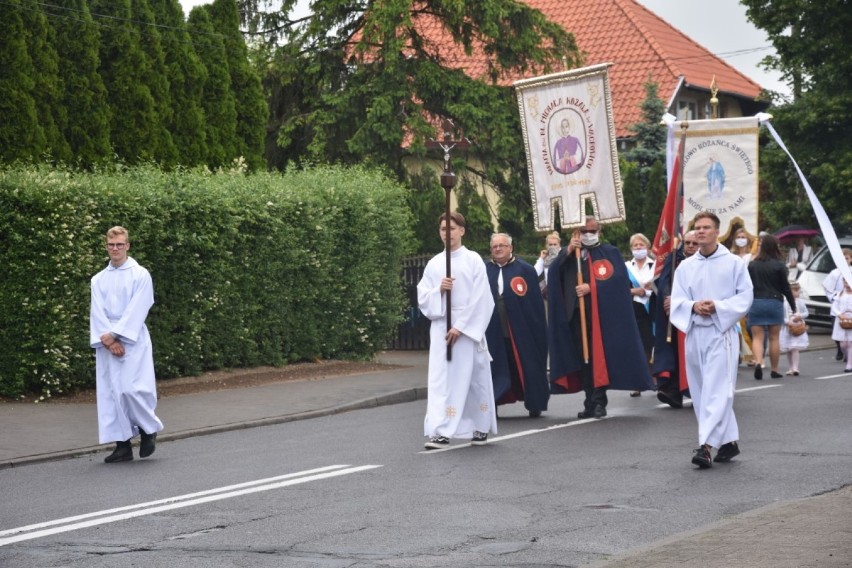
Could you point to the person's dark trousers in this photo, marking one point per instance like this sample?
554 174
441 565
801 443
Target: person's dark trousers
594 396
514 374
646 329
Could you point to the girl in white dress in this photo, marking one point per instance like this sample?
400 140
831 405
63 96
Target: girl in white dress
791 344
842 306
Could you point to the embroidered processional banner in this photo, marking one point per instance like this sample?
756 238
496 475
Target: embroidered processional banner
569 136
720 172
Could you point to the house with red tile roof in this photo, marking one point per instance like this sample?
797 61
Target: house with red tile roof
640 45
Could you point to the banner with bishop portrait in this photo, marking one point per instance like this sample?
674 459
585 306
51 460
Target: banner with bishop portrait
569 136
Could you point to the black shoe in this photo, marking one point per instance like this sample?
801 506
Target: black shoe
701 458
600 411
635 394
758 373
437 442
123 452
586 414
673 400
775 375
838 356
535 413
479 439
727 452
148 444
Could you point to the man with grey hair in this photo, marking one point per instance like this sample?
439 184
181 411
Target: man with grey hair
517 332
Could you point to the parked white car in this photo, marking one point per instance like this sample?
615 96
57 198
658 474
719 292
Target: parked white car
810 280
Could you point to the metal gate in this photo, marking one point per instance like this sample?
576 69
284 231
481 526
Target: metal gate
413 332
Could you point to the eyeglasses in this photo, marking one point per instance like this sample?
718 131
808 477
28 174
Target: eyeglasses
691 243
116 245
588 231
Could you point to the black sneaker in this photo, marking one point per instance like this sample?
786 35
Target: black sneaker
586 414
701 458
727 452
535 413
437 442
123 452
148 444
600 411
479 439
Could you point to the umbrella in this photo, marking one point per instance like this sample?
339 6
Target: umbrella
792 232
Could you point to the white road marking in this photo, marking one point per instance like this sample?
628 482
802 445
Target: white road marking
569 424
688 401
759 388
518 434
840 376
177 502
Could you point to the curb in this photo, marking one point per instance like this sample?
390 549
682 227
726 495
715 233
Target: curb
396 397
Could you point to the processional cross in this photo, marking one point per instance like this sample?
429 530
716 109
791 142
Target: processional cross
448 180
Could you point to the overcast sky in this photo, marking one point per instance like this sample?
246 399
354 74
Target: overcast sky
719 26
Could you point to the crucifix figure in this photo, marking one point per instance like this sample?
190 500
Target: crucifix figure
448 181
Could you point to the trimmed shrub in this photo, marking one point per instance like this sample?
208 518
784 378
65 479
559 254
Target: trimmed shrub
264 269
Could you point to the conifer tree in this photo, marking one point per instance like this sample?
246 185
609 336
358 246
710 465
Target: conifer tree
47 87
84 116
21 136
155 76
645 185
252 110
187 76
218 100
123 67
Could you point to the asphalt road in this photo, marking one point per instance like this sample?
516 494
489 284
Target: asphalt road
356 489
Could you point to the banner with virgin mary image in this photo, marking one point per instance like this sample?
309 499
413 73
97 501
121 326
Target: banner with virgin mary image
720 172
569 136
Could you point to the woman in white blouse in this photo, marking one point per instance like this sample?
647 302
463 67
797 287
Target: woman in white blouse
641 268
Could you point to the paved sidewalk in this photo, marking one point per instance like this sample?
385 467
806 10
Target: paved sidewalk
812 532
33 433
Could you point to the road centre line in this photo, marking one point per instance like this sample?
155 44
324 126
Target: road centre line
177 502
840 376
518 434
568 424
749 389
168 500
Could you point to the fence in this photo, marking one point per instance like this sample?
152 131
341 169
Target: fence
413 333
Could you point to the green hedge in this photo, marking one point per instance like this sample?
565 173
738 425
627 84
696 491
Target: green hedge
252 270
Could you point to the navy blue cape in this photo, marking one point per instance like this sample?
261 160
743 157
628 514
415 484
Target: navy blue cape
616 352
668 355
527 333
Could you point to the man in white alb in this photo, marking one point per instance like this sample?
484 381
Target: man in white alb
122 294
712 291
460 401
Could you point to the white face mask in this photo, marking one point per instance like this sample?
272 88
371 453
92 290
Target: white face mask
640 254
553 250
589 239
741 242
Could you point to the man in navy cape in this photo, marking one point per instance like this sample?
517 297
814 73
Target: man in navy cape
669 366
616 356
517 332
